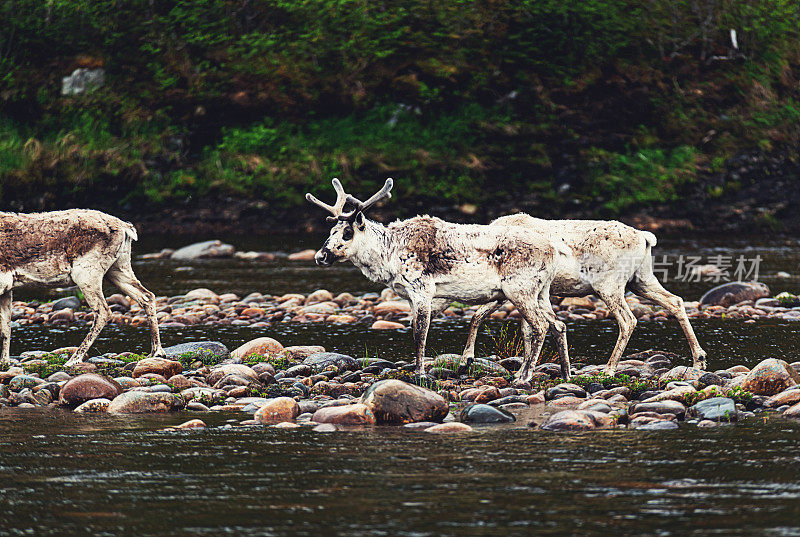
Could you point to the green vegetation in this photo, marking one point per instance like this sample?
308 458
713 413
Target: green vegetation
465 101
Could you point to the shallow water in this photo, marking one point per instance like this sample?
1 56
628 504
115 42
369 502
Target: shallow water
728 342
283 276
67 474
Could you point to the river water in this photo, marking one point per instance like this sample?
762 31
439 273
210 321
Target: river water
67 474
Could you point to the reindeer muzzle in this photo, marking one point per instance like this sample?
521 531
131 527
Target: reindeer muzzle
324 258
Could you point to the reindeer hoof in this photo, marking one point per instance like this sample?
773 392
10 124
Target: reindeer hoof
424 380
609 371
463 368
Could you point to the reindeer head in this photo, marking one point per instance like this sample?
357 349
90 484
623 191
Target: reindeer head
343 239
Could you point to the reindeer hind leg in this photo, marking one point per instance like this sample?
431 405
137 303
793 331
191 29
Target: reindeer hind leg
90 283
122 276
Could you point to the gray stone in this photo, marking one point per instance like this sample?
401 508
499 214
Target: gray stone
658 426
480 413
197 349
564 389
716 408
660 407
203 250
68 302
577 420
323 360
82 80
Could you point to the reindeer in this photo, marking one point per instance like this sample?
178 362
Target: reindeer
608 258
78 247
431 263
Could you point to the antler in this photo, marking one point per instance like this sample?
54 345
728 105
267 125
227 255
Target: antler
364 206
336 208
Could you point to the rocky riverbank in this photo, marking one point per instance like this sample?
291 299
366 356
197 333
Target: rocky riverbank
306 386
386 310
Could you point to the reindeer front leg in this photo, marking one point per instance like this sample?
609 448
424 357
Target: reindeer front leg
421 320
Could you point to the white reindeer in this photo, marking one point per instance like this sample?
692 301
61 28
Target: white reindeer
78 247
432 263
608 258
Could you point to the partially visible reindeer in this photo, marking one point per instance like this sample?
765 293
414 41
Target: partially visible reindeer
432 263
607 258
78 247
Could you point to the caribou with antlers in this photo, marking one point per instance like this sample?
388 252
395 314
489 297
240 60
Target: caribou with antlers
76 246
432 263
607 259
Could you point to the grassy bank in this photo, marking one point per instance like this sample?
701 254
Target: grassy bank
604 105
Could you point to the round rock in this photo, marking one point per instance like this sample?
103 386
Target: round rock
480 413
86 387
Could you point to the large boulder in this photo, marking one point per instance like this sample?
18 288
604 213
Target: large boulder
263 346
277 410
138 402
160 366
324 360
203 250
769 377
732 293
198 349
577 420
86 387
356 414
398 402
716 409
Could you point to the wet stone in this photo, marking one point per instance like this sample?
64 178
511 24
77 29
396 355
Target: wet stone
277 410
135 402
577 420
323 360
352 414
449 428
716 408
786 397
658 425
770 377
396 402
69 302
197 349
93 406
710 379
480 413
86 387
666 406
160 366
564 389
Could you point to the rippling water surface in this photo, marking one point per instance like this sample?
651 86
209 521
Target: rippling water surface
68 474
62 473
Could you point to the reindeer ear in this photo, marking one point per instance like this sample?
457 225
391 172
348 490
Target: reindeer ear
359 221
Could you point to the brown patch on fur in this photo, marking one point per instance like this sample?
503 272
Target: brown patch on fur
431 248
28 238
511 255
